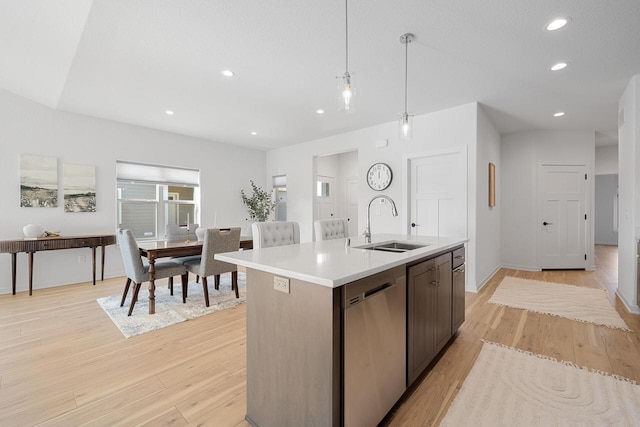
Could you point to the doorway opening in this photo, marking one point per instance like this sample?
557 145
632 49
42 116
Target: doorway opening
606 230
335 191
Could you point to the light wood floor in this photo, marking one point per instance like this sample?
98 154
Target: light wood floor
62 361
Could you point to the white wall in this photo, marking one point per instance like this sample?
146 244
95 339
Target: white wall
488 219
629 190
522 154
28 127
446 129
606 160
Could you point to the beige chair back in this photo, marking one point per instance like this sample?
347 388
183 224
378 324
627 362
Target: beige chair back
275 233
329 229
177 233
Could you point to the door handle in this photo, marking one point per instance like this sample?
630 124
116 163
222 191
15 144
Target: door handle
414 225
547 223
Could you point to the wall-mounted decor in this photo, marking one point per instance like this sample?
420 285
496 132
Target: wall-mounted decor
79 188
38 181
492 185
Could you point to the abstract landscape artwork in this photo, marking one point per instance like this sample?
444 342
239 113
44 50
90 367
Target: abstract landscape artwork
38 181
79 188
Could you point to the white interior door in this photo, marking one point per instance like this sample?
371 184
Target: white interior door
325 197
352 205
438 194
563 216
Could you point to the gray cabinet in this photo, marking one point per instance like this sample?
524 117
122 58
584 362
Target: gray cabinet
428 312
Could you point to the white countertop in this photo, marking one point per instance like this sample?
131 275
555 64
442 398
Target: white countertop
330 263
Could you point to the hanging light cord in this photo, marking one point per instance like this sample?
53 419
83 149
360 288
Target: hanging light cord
406 67
346 31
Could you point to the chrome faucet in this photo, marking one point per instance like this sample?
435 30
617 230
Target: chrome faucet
394 212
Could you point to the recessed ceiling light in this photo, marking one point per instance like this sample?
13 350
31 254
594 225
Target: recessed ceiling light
559 66
557 23
320 111
169 112
227 73
254 133
559 114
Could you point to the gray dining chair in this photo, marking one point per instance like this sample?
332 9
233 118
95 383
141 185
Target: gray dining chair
216 241
275 233
138 273
176 233
329 229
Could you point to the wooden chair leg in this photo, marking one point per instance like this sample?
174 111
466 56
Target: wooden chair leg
205 290
134 299
126 289
234 282
216 279
171 285
185 280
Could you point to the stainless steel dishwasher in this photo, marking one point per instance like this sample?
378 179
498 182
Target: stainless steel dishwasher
374 346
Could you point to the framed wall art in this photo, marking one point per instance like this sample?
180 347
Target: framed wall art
79 183
38 181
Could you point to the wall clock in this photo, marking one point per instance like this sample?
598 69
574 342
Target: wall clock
379 176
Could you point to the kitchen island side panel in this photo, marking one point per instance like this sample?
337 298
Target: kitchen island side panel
293 353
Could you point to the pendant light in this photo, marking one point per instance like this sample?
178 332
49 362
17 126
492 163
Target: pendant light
346 88
406 120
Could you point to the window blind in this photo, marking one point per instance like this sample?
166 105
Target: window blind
155 174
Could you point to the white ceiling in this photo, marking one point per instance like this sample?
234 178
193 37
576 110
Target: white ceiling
130 60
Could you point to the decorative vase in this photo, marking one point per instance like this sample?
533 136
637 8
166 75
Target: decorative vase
200 231
31 231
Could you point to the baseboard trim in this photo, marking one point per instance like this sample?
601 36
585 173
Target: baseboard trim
630 308
521 267
486 279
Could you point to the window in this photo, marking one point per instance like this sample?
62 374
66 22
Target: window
151 197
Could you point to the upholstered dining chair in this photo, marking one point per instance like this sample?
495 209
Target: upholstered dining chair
216 240
329 229
179 233
137 272
275 233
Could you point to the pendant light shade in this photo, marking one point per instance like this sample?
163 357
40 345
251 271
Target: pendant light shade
347 91
406 119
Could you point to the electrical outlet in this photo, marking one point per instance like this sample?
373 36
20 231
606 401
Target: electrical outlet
82 259
281 284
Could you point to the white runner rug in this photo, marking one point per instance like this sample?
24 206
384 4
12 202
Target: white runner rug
579 303
510 387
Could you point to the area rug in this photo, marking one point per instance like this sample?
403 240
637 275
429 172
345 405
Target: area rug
510 387
572 302
170 309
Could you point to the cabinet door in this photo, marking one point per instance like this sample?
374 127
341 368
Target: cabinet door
421 317
457 315
443 301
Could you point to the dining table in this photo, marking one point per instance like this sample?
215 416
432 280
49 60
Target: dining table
155 249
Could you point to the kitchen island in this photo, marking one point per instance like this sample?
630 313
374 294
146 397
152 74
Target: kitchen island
327 329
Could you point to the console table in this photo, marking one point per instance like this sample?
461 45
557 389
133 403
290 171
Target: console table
54 243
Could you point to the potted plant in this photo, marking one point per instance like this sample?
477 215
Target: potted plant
259 205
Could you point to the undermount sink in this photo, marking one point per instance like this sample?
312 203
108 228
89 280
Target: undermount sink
395 246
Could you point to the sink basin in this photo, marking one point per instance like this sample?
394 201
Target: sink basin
395 246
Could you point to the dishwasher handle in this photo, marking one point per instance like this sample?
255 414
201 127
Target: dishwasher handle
360 297
374 291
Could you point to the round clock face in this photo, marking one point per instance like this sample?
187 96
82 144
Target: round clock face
379 176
